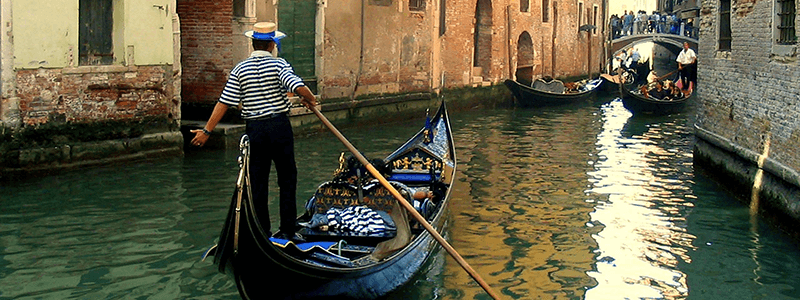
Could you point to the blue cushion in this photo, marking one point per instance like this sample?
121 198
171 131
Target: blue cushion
405 177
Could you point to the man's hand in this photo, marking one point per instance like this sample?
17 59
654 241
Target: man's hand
200 137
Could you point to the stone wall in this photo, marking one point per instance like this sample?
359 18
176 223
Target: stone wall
750 99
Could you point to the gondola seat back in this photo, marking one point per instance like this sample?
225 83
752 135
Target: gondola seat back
342 195
415 167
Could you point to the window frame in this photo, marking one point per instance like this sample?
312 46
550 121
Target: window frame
783 48
106 44
417 5
545 11
724 31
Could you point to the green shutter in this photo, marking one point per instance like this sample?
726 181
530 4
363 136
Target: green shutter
297 18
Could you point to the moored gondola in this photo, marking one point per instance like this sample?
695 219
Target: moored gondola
342 259
552 92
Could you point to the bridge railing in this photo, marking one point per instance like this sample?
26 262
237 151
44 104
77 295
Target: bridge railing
646 27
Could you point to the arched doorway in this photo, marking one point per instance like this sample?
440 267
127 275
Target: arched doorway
525 61
482 60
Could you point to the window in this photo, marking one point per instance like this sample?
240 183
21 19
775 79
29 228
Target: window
786 27
725 25
594 20
580 14
524 5
416 5
95 32
545 11
442 18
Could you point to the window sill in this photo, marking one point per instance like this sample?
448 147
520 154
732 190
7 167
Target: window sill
99 69
783 52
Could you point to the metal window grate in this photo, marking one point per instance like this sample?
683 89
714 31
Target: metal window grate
786 26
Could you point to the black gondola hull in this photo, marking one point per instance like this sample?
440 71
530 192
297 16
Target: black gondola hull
639 104
529 97
266 273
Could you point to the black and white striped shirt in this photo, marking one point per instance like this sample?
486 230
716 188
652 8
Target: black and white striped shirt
260 82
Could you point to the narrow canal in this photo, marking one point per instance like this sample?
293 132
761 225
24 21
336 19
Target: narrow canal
579 202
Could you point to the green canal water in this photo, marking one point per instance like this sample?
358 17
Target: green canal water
578 202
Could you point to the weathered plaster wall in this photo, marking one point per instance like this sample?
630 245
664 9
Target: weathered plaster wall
50 101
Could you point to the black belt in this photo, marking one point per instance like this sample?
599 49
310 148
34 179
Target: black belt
267 117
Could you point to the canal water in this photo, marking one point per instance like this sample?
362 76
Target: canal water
577 202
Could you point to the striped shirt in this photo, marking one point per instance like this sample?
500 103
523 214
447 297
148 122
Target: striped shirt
260 83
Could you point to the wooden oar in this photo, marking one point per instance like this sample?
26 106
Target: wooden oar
405 204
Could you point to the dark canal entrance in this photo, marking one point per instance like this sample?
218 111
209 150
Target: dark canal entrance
580 202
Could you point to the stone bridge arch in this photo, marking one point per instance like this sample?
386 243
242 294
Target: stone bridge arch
623 43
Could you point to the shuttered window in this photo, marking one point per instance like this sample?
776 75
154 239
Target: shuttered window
786 26
95 32
725 25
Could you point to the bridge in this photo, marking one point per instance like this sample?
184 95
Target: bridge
665 39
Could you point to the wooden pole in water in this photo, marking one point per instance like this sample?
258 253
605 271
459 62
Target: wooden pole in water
405 204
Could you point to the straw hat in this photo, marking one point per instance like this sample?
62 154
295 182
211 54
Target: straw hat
265 31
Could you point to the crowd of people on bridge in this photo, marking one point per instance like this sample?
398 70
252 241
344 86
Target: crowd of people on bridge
631 23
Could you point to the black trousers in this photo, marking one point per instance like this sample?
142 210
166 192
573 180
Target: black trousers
688 74
272 141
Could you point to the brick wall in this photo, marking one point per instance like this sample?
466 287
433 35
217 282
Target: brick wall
95 94
206 48
749 95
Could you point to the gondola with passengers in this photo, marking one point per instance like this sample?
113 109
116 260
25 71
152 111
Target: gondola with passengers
359 242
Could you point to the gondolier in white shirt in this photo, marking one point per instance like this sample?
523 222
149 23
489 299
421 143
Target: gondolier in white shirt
260 84
687 66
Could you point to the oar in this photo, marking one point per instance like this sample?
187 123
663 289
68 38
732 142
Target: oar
405 204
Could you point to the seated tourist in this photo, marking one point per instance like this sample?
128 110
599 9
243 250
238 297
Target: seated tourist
658 92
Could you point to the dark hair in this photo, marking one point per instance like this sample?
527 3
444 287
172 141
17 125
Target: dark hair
261 44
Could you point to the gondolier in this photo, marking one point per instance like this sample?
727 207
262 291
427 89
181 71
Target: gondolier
260 85
687 65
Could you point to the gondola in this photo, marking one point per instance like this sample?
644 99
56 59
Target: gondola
553 92
640 103
631 77
338 261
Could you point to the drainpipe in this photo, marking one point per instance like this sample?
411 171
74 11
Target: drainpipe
9 102
509 43
360 56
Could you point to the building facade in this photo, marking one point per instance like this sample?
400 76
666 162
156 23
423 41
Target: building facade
78 75
354 49
748 119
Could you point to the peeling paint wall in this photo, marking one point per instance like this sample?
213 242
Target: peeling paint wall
45 86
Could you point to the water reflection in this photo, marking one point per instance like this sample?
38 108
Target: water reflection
641 199
517 207
580 202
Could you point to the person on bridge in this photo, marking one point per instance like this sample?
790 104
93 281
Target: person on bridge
627 23
687 66
260 84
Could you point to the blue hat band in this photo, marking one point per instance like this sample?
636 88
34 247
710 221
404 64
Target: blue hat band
269 36
264 36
